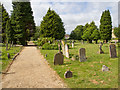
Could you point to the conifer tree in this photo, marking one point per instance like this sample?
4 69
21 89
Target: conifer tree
5 17
106 26
52 25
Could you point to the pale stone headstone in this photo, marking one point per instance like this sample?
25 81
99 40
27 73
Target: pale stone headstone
82 55
68 74
58 59
67 51
63 49
105 68
72 44
8 55
112 49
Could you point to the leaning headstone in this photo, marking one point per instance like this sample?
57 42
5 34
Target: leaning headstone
100 48
82 55
105 68
8 55
66 51
68 74
58 59
112 49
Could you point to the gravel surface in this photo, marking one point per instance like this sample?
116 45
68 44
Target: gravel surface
30 70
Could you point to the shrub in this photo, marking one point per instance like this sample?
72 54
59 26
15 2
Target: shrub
48 46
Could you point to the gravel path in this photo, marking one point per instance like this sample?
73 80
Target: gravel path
30 70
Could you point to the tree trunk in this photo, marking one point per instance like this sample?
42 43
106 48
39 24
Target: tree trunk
6 46
90 41
96 41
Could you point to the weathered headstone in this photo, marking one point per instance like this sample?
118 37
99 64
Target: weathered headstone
63 47
72 44
105 68
8 55
100 48
68 74
82 55
58 59
67 51
59 48
112 49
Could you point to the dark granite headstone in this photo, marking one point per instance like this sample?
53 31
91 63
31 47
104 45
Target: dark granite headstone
112 49
8 55
68 74
58 59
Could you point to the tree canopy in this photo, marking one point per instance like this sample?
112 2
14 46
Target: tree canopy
52 25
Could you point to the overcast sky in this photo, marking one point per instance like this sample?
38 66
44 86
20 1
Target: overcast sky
72 12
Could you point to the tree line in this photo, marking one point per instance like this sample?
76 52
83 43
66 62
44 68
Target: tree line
90 31
20 26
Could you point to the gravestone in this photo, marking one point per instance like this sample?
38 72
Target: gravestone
59 48
72 44
82 55
63 49
8 55
100 48
66 51
105 68
68 74
112 49
58 59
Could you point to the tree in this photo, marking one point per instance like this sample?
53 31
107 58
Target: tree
106 26
88 30
37 33
77 33
117 31
52 25
5 17
95 35
22 22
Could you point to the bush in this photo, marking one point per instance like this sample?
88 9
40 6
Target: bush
48 46
42 41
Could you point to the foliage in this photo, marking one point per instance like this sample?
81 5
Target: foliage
42 41
52 25
106 26
88 30
22 21
95 35
48 46
5 17
77 33
37 33
117 31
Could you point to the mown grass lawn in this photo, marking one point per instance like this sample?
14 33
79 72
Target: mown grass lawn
87 74
4 61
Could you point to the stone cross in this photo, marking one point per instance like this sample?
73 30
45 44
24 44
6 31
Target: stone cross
82 54
58 59
112 49
67 51
68 74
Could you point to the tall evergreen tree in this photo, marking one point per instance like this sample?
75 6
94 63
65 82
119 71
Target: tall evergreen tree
5 17
52 25
22 21
106 26
0 23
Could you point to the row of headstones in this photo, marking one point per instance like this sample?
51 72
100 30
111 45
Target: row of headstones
59 58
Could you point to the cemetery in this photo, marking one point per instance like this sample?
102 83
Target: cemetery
46 56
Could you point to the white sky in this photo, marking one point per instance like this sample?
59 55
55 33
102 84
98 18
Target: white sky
72 12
